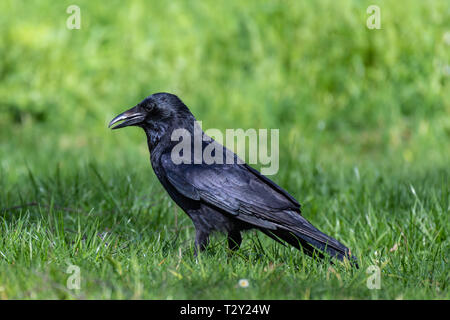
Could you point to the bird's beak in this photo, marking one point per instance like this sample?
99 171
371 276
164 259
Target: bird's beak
132 117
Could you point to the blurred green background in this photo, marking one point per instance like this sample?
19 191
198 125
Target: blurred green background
310 68
350 103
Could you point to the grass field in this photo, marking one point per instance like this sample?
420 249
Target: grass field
364 120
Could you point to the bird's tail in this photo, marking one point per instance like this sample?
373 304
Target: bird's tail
306 237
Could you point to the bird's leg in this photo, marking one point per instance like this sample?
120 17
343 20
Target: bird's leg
234 240
201 241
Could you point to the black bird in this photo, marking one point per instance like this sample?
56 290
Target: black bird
221 197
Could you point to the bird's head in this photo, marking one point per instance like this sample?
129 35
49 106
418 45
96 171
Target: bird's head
159 109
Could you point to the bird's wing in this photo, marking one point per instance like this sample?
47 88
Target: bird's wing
244 193
237 189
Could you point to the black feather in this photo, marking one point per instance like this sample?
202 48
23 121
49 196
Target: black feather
220 196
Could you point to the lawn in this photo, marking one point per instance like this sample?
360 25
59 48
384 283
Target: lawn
364 124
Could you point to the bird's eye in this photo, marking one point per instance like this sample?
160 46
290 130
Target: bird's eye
149 106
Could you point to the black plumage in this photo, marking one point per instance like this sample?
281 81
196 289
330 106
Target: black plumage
222 197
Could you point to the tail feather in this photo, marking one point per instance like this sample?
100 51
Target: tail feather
312 241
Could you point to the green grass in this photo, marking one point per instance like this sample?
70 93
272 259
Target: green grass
147 251
364 145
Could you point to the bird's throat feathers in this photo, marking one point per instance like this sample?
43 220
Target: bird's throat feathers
155 133
162 130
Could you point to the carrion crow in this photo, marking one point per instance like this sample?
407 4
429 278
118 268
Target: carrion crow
226 197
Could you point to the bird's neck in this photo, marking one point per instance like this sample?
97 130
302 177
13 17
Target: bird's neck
159 134
155 133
